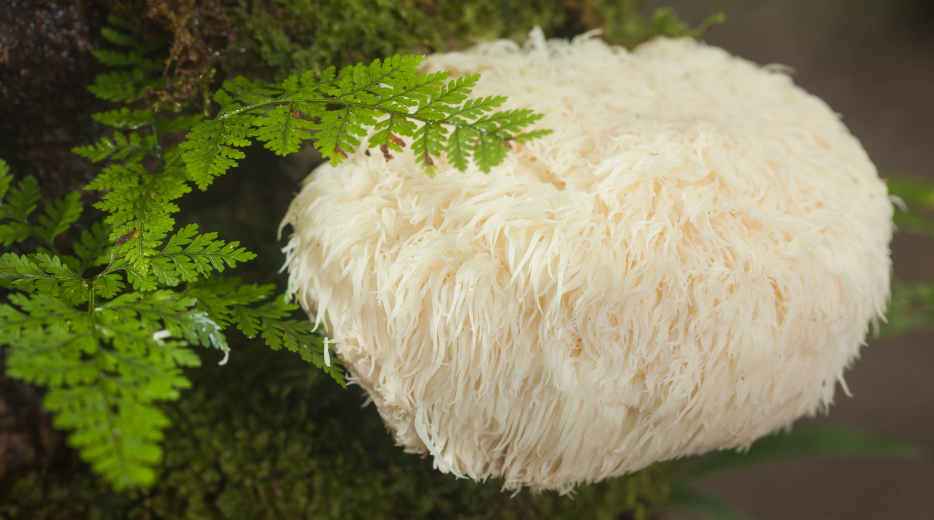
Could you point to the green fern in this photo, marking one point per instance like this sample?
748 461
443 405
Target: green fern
17 207
108 323
104 368
228 302
337 110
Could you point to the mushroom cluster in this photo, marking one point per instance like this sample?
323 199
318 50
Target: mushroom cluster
688 262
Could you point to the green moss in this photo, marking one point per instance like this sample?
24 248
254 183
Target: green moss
268 437
271 39
289 36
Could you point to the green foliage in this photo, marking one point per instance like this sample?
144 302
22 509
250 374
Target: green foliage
227 302
133 146
666 23
336 109
916 197
300 35
100 327
104 365
103 369
44 274
623 23
58 216
911 308
17 207
188 256
313 35
107 327
208 149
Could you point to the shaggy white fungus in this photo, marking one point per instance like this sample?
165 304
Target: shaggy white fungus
689 262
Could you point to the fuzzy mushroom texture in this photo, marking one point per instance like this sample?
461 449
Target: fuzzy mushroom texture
689 262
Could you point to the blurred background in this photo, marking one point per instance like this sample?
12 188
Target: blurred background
872 61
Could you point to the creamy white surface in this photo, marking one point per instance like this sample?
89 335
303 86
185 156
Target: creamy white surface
689 262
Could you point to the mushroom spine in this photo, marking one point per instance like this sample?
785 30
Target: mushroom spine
688 262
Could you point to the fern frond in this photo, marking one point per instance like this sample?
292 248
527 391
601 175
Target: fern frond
460 147
132 146
16 208
93 247
475 108
104 369
228 302
126 59
429 141
127 85
120 38
336 135
108 285
167 310
503 124
120 86
115 58
20 200
43 274
19 203
59 215
387 131
383 79
13 232
140 277
283 128
124 118
188 255
409 91
139 203
296 336
208 151
529 136
238 91
337 109
446 99
5 179
123 23
179 124
36 311
490 150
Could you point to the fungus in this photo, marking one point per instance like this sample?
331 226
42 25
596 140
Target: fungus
688 262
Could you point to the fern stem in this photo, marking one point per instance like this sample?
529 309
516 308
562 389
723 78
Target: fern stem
376 107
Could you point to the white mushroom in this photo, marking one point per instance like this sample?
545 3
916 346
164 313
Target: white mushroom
689 262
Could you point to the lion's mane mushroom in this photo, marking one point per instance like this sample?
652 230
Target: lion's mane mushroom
689 262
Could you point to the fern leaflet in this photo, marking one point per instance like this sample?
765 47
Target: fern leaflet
337 110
